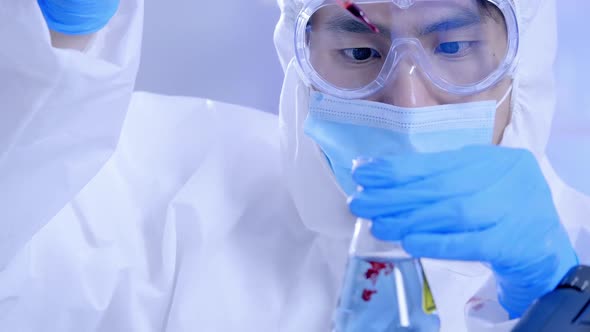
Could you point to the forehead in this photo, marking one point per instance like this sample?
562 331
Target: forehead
388 13
423 18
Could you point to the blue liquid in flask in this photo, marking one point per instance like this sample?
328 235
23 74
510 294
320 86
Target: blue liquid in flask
385 294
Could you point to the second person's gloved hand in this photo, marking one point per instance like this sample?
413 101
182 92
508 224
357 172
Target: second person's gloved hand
78 17
481 203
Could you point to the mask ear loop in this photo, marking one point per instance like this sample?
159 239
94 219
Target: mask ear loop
505 96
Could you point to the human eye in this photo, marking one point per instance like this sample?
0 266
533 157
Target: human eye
360 54
455 48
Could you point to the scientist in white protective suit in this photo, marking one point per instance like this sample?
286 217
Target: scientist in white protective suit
128 211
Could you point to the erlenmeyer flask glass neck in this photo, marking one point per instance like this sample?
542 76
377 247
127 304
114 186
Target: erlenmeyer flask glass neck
384 289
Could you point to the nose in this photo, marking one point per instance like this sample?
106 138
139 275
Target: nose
408 86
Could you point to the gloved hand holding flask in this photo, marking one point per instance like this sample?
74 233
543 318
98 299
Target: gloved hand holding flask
480 203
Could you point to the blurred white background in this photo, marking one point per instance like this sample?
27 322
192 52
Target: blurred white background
569 147
224 50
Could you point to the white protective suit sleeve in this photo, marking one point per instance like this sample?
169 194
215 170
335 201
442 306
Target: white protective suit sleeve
165 235
62 112
533 107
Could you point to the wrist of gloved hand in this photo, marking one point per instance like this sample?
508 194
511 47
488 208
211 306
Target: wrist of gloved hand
78 17
519 286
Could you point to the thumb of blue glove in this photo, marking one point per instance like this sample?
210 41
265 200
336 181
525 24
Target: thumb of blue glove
78 17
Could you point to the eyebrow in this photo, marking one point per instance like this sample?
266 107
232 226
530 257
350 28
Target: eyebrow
345 23
462 20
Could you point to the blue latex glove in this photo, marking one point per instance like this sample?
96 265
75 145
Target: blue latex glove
480 203
78 17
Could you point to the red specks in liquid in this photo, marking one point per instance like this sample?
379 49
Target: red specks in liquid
476 303
474 299
367 294
373 274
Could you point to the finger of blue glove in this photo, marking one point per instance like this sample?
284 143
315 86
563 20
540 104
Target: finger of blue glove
468 246
436 198
387 229
401 169
442 217
510 247
406 168
474 163
393 222
460 194
466 213
373 203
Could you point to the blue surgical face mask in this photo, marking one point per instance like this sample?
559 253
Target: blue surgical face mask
347 129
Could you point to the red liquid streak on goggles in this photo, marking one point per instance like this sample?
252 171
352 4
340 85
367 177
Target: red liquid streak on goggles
357 12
